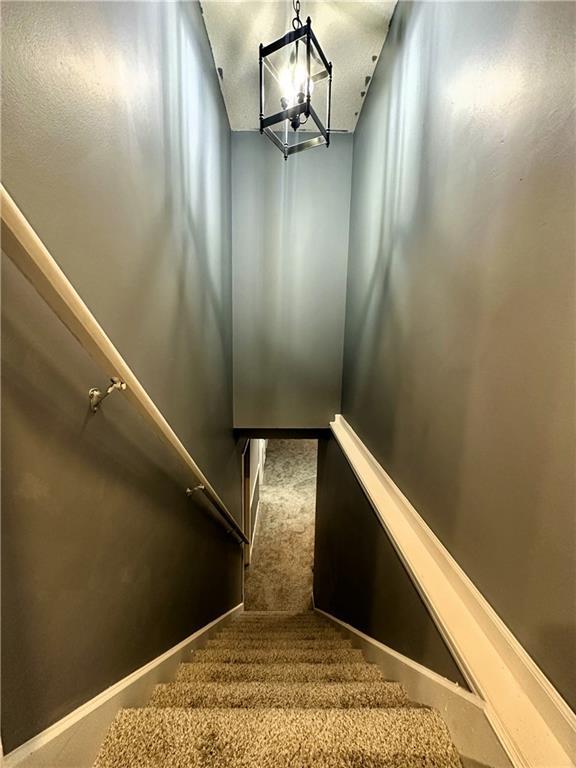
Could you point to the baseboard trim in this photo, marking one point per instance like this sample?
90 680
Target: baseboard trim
463 712
437 679
132 691
256 518
533 722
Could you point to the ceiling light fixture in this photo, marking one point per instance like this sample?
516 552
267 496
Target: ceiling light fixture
293 68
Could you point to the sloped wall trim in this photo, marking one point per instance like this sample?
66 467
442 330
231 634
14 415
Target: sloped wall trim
463 712
94 716
533 722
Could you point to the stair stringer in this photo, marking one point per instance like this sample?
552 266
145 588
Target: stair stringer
463 712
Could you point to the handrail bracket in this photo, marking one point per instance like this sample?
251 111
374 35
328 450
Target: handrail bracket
96 396
227 519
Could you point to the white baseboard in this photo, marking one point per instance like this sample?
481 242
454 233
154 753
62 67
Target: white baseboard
256 516
81 732
534 724
258 483
463 712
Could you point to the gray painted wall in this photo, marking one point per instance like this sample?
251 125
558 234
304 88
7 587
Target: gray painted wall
459 346
104 151
104 561
290 250
359 578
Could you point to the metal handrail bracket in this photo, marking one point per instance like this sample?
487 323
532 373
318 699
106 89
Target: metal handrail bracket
233 526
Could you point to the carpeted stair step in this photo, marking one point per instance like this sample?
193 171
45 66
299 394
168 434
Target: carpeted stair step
241 630
274 619
274 614
279 626
246 637
268 695
245 738
309 627
255 642
294 672
277 656
274 629
279 615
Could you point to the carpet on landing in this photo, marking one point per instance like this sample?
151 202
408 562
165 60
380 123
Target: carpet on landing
279 576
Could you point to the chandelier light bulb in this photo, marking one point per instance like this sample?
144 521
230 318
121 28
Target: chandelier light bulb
293 81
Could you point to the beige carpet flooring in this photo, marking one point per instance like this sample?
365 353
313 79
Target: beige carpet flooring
279 687
250 699
279 578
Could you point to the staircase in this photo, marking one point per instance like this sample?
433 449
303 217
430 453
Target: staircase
274 690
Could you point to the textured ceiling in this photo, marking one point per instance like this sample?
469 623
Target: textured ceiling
351 34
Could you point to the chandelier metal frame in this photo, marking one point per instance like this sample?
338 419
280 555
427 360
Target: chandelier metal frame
297 114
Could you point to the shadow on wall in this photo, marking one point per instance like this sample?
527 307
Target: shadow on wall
458 367
359 578
104 559
102 552
384 309
196 152
290 250
197 160
127 180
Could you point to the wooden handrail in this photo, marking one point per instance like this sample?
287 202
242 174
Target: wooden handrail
23 246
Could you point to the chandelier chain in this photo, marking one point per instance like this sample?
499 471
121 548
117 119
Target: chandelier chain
296 21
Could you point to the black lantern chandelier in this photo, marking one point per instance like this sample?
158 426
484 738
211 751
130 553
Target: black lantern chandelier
293 69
